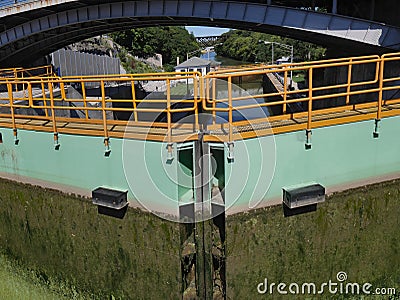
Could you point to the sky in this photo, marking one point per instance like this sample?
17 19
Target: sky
206 31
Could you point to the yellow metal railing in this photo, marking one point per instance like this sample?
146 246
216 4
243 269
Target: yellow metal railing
41 71
335 91
309 96
45 104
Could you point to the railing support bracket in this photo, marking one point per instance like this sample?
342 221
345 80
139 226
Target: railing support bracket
308 139
231 156
170 152
376 129
56 143
107 150
16 140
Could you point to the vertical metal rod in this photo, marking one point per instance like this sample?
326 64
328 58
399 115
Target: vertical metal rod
349 74
103 106
53 115
380 96
23 84
44 98
169 133
214 98
195 95
291 63
135 116
310 95
30 95
207 88
230 117
85 100
11 101
285 85
197 99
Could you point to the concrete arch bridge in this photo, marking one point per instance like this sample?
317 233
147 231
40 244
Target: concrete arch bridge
32 29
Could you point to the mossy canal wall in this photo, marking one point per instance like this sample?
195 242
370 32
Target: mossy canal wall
356 232
63 237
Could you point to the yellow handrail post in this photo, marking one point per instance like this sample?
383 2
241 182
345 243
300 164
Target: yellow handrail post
11 101
380 97
198 98
207 86
230 116
135 116
62 91
53 116
214 98
30 95
170 155
44 98
23 84
310 103
285 91
230 120
85 101
349 74
107 150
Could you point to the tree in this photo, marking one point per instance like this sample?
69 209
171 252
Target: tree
246 46
170 41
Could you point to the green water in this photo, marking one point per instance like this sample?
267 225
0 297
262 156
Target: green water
225 61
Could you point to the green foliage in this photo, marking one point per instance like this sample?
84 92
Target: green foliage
169 41
132 65
248 46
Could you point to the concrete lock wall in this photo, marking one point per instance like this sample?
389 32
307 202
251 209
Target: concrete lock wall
340 156
62 238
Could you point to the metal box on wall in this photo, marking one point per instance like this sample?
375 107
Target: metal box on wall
110 198
303 195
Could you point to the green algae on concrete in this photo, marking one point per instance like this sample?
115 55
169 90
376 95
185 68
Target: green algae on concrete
15 283
63 239
356 231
